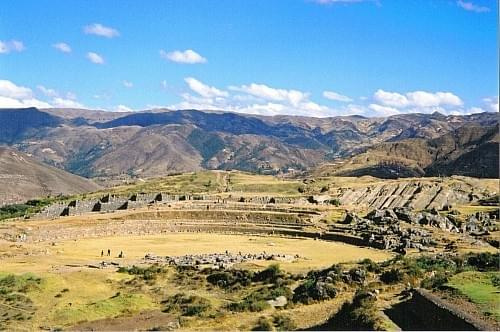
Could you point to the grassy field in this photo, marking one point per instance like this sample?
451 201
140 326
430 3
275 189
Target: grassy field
316 254
70 292
482 288
251 183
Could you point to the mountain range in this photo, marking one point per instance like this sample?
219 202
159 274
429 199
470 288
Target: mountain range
158 142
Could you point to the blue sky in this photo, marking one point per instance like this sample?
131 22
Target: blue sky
303 57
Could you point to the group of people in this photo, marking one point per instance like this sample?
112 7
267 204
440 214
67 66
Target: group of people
121 255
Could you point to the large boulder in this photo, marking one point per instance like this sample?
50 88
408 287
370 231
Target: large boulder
406 214
352 218
382 216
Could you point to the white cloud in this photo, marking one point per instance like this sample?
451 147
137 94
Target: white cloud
336 96
294 97
470 6
95 58
11 90
122 108
66 103
491 104
128 84
390 98
100 30
63 47
47 91
203 89
429 99
416 99
69 98
252 99
11 46
14 96
383 110
187 56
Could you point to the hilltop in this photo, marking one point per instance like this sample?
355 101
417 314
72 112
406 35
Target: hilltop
469 150
23 178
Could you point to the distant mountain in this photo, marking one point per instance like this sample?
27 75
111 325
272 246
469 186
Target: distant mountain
17 124
23 178
150 143
469 150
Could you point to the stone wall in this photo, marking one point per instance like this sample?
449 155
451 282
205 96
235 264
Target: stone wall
425 311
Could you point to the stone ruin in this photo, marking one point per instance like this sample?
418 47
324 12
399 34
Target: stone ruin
399 229
107 203
215 260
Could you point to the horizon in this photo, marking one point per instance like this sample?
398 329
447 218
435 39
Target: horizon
164 110
317 58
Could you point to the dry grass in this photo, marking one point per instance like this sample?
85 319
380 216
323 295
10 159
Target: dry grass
317 254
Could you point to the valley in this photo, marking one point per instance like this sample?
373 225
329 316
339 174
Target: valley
223 250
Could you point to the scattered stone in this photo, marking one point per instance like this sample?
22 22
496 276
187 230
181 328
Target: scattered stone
215 260
278 302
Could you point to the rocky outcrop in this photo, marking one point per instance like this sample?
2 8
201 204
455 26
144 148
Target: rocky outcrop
414 194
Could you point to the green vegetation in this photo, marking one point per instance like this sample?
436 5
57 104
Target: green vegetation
263 324
360 314
146 273
15 304
269 275
116 305
318 285
208 144
191 305
278 322
481 288
484 261
283 322
231 278
26 209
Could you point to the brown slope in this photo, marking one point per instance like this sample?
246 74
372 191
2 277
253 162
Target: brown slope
468 150
23 178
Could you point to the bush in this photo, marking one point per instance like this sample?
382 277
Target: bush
333 201
438 280
263 324
269 275
188 305
434 264
231 278
484 261
257 300
283 323
146 273
313 290
392 276
371 266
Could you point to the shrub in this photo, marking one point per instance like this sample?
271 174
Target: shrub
313 290
231 278
146 273
360 314
263 324
370 265
438 280
283 323
270 274
484 261
392 276
188 305
257 300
